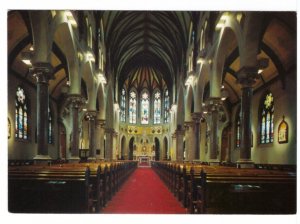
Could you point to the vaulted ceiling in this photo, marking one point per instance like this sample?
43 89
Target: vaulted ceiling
152 39
152 45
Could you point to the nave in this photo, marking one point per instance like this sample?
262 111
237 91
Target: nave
207 98
144 193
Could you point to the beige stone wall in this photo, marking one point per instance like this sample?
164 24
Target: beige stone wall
284 104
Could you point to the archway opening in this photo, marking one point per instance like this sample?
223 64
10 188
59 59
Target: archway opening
166 150
131 147
157 149
123 142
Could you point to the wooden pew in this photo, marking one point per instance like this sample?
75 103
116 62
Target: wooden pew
246 192
228 190
104 180
44 190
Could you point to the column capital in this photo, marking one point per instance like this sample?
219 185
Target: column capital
42 71
188 125
247 76
197 116
213 103
76 100
100 122
91 114
109 130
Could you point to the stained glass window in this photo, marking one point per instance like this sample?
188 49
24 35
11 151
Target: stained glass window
123 106
132 107
50 127
21 115
166 107
145 108
238 130
267 119
157 107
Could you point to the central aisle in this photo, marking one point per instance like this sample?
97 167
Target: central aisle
144 193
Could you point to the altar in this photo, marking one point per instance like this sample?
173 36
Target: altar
144 161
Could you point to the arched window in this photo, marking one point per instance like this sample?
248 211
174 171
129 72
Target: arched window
157 107
132 107
267 119
238 129
50 127
166 107
123 106
21 115
145 108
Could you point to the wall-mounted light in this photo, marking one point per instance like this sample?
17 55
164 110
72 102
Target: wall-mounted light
263 63
71 19
224 94
189 80
26 57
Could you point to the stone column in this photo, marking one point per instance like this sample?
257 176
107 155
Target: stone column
179 143
43 72
109 143
172 154
246 77
213 106
100 138
197 117
189 140
75 101
115 146
91 115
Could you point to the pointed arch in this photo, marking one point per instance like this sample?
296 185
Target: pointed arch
132 110
166 106
131 148
230 32
123 146
145 106
21 114
123 105
157 106
166 149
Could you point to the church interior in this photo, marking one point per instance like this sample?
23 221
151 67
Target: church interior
201 104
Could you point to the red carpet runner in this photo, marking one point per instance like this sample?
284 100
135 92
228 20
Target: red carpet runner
144 193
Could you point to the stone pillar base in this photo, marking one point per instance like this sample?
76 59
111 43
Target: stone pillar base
214 162
74 159
196 161
247 163
93 159
42 159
